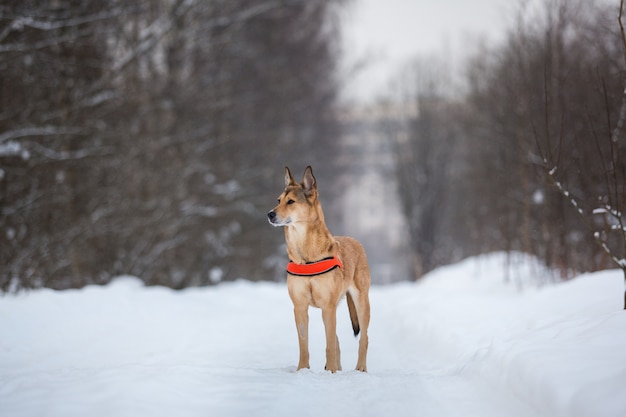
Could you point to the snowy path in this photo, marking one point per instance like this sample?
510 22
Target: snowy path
231 350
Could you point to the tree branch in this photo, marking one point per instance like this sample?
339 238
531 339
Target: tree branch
621 26
39 131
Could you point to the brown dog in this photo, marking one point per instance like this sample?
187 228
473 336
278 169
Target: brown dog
321 270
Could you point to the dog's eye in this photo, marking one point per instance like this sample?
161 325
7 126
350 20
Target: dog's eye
290 201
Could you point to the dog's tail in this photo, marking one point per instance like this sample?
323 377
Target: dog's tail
353 316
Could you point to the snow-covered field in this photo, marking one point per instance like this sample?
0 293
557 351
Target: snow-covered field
474 339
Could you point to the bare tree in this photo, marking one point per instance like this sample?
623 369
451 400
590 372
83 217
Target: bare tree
140 136
425 143
546 77
601 209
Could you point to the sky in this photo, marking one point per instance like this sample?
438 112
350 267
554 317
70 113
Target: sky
387 34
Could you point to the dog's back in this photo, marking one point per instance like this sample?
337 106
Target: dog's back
356 268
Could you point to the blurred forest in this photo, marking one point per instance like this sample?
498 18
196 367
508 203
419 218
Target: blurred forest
533 157
148 137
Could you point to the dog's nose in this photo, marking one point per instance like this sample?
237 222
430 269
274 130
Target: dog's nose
271 215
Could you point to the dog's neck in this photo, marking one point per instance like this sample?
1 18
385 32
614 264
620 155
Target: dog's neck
309 241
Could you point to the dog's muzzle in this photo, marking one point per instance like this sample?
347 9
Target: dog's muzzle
277 221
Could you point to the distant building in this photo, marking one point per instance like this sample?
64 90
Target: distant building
370 208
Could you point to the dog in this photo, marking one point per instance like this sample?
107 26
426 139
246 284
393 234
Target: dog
321 270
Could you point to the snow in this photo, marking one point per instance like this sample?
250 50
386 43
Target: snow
490 336
10 148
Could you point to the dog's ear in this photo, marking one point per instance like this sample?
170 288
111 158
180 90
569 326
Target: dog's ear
289 178
309 184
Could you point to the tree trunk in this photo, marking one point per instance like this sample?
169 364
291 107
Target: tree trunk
624 270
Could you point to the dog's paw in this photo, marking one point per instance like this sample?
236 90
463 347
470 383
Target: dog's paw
303 366
332 369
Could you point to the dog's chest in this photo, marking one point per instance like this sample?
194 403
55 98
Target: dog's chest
318 291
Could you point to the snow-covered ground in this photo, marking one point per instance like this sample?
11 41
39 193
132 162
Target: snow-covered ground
474 339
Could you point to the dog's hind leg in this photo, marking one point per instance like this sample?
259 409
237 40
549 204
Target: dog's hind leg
364 321
362 307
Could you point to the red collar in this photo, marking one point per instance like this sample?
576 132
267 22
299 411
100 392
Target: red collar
314 268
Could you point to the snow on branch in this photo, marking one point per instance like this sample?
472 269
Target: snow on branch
44 43
70 155
38 131
607 210
19 22
247 14
600 240
153 34
157 30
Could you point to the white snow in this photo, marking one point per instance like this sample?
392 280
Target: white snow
10 148
475 339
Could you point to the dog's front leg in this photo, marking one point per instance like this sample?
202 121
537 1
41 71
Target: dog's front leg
301 312
333 361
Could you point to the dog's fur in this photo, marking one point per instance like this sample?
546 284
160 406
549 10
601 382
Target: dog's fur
308 240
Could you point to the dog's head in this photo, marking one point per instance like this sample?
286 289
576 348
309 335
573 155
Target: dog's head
298 202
